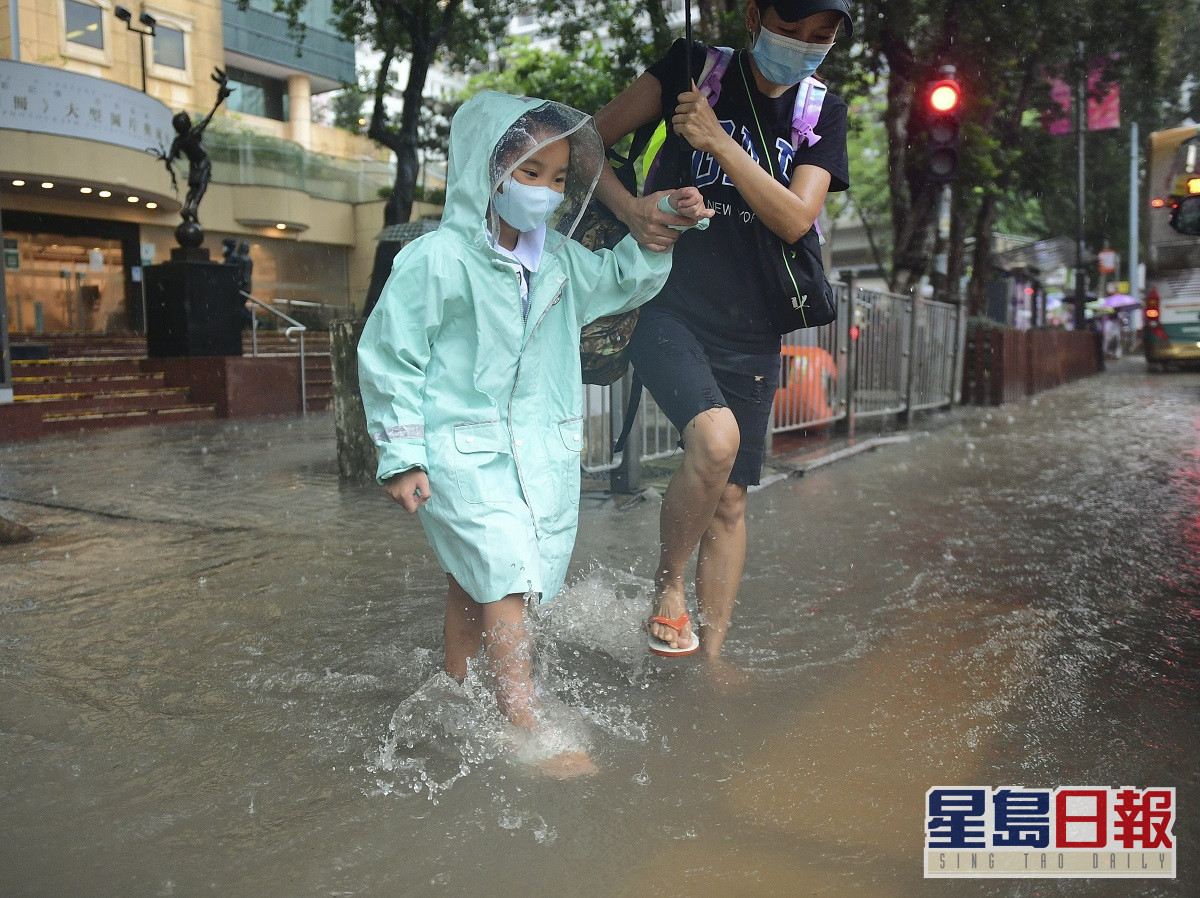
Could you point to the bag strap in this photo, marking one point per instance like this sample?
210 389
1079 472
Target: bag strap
635 399
807 111
716 63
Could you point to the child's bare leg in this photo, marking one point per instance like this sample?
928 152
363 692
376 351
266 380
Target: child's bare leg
463 629
510 657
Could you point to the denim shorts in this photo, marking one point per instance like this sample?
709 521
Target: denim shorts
686 378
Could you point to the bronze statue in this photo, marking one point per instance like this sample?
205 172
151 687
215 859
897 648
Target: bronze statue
187 143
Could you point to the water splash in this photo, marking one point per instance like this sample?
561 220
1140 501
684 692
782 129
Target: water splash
446 729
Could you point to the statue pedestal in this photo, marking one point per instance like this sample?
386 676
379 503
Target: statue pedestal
192 307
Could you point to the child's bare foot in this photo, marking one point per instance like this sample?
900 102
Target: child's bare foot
568 765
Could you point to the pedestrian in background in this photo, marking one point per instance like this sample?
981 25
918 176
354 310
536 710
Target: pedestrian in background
1112 335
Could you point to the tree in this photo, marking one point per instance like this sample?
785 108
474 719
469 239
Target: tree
867 199
421 32
583 79
348 105
634 32
1000 50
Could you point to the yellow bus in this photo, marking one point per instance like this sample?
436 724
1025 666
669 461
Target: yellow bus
1172 304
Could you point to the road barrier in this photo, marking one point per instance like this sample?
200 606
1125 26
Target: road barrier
884 355
1003 365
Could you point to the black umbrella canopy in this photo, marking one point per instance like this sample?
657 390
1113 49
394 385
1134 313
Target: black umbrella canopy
406 231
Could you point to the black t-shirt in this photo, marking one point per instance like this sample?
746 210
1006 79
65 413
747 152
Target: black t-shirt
715 286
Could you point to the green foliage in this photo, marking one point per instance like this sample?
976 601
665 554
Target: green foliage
867 200
578 24
584 79
1013 173
430 195
349 105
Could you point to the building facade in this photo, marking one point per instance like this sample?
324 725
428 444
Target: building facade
88 89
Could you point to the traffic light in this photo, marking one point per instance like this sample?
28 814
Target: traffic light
943 111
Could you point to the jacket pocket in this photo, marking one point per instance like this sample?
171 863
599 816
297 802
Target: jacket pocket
564 462
571 433
482 462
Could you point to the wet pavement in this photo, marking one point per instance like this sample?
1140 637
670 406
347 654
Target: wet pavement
218 667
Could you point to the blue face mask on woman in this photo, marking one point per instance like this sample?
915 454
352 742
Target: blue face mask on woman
524 207
784 60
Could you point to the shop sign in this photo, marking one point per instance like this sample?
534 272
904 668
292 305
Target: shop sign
12 254
46 100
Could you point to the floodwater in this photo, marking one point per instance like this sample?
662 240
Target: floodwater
219 668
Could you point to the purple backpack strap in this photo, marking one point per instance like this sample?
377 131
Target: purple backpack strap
716 61
807 112
715 64
809 100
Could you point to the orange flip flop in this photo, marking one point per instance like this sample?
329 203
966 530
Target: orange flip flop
658 647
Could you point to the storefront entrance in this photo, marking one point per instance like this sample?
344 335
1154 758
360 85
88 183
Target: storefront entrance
65 275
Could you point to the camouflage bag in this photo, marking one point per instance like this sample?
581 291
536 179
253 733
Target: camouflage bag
602 348
602 343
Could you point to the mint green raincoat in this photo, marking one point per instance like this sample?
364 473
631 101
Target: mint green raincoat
490 403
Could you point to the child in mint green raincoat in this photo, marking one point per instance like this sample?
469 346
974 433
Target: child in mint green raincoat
470 373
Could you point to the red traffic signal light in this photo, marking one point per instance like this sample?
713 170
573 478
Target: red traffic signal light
943 110
944 96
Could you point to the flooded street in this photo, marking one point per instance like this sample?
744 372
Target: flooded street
219 668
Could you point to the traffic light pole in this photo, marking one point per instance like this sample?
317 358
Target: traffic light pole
1080 130
6 381
1134 208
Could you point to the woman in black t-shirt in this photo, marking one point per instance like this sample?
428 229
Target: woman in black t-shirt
705 348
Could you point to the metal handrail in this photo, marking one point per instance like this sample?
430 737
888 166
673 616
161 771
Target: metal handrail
295 327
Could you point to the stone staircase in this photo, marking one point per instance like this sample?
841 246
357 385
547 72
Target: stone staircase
317 370
112 391
88 381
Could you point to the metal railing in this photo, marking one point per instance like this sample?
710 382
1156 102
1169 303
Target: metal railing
294 332
885 354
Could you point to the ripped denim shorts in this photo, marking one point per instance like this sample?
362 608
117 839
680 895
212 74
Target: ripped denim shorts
686 378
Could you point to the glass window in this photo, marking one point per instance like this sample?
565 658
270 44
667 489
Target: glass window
168 47
83 24
257 95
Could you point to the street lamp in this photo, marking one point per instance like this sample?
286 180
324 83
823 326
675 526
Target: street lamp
123 13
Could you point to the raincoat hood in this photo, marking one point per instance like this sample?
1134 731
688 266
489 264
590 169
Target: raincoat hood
493 133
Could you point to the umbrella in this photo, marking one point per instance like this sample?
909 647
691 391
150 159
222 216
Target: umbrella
1120 301
408 230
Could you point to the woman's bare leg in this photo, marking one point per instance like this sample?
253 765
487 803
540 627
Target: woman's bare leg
719 568
711 443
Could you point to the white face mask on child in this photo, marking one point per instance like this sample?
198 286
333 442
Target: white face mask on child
524 207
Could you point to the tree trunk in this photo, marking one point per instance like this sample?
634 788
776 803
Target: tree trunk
357 455
403 143
660 34
981 264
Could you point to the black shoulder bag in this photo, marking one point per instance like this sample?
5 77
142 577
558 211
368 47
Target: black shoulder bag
800 296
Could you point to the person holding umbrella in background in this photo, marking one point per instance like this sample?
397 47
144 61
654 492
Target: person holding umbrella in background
705 347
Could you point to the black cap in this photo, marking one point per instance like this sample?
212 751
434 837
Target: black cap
795 10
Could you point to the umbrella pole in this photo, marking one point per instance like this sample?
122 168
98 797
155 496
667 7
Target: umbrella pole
685 148
687 35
